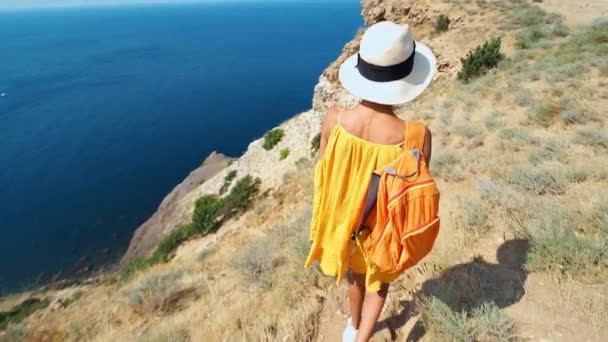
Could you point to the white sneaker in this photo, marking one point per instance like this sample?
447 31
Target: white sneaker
350 333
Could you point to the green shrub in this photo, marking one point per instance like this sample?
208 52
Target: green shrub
241 195
444 323
573 116
539 181
445 163
135 266
315 144
442 23
555 243
592 136
513 139
22 311
484 323
150 295
446 117
468 130
551 149
167 331
493 120
472 216
577 174
546 113
524 97
206 212
488 323
170 242
271 138
227 181
255 260
528 37
284 153
209 213
477 62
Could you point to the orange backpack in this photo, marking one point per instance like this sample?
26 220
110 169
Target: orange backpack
407 205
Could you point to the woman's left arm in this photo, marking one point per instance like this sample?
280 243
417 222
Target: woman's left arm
428 146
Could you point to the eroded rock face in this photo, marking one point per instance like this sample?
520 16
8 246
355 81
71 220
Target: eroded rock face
147 236
176 209
374 11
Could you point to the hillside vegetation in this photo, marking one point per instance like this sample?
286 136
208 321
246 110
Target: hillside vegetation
520 154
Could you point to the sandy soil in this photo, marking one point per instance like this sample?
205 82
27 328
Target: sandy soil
575 12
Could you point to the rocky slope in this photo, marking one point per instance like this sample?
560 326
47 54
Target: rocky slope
176 209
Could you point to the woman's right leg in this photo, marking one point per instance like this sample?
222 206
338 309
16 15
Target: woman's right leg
374 301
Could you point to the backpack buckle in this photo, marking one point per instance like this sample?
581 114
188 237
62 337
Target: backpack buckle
356 233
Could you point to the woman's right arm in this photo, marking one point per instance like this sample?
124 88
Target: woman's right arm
329 122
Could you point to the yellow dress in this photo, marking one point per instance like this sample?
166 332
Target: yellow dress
342 176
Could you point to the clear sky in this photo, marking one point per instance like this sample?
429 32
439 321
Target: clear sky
24 4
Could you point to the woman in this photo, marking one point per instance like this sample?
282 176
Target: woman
390 68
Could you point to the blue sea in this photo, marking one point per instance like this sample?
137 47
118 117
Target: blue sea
104 110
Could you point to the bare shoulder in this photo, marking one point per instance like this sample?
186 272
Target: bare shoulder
331 118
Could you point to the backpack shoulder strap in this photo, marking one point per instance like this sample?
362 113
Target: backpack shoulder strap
370 203
414 135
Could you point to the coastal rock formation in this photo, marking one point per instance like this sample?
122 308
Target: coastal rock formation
150 232
176 209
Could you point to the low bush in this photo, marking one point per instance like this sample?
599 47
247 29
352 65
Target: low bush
546 113
273 137
478 61
22 311
206 214
592 136
524 98
577 174
551 149
528 37
284 153
445 163
573 116
241 196
209 213
555 242
484 323
443 323
315 144
488 323
468 130
442 23
150 295
513 139
166 331
135 266
255 260
472 216
228 181
539 181
446 117
493 120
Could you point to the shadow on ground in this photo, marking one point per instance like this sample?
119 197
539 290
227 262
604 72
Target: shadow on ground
466 286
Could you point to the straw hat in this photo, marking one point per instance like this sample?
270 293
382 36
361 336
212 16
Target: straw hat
390 68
